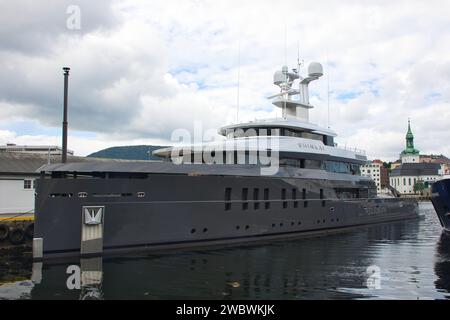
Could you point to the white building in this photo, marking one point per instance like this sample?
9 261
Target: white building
17 176
18 172
373 170
52 150
407 175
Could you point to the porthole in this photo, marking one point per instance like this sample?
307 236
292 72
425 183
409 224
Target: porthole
299 223
238 227
192 230
205 230
292 223
247 227
332 209
281 224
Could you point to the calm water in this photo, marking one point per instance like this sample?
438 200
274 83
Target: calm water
411 258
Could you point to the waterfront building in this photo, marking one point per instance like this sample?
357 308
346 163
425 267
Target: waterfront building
17 181
52 150
379 173
441 159
414 176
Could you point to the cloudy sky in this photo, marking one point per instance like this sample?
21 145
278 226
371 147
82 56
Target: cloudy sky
141 69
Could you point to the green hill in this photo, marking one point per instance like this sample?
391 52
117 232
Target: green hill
128 153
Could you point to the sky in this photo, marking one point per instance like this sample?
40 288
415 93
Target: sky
142 69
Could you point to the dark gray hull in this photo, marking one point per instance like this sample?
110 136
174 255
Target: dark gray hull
441 202
179 211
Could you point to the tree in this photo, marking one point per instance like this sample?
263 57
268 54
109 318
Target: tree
419 186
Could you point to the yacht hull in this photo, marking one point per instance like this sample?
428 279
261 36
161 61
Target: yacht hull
441 202
175 211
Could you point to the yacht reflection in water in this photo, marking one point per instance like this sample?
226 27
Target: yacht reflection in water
442 265
314 268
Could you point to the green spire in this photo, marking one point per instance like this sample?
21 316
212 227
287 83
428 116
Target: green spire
410 150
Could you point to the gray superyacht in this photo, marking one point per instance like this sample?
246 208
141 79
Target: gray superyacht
264 180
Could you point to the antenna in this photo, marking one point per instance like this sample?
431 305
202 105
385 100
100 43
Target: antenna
328 92
238 80
285 43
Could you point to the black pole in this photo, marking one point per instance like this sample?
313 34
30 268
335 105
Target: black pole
64 130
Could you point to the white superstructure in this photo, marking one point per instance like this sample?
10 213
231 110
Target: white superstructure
290 136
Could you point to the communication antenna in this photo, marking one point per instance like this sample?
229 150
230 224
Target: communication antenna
285 43
238 80
328 92
285 70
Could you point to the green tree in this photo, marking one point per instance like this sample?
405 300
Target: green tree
419 186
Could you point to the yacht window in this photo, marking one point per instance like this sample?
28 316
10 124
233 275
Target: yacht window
312 164
256 198
328 141
245 198
305 203
266 199
347 193
228 199
283 197
342 167
251 132
239 133
321 197
294 197
291 162
313 136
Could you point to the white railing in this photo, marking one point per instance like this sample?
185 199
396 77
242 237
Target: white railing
353 149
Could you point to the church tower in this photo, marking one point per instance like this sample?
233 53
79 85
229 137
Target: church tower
410 154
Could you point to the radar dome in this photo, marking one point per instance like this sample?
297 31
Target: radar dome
315 70
279 77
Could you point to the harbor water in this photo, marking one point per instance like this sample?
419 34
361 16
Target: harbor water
402 260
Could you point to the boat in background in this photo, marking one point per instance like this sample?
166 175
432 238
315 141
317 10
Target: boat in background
440 197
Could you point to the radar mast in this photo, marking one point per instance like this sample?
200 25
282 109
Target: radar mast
298 107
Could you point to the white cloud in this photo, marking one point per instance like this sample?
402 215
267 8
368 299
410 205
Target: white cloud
142 69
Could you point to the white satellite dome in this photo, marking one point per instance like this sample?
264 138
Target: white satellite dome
315 69
279 77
